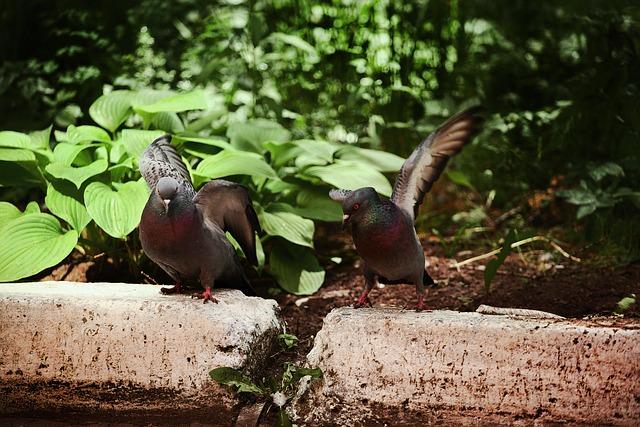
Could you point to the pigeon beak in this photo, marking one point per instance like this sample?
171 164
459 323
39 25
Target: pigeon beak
166 204
345 221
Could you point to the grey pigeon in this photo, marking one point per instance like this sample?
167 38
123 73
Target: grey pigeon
184 232
383 230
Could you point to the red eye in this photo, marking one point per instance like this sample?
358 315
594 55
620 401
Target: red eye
356 206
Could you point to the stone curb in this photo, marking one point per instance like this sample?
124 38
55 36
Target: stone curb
124 347
385 366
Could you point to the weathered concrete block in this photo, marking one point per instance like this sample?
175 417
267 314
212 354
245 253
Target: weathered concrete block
125 347
407 368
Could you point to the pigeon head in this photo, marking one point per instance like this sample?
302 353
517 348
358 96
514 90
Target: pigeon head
355 203
167 189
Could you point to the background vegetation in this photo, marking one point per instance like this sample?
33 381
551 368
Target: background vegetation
300 94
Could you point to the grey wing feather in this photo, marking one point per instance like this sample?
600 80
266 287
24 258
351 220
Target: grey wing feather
428 160
161 159
228 204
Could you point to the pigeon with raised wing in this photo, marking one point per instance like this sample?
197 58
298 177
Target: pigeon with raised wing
184 232
383 230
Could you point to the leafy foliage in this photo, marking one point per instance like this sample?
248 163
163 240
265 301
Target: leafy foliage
92 181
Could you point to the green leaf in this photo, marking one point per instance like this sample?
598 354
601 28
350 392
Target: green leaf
65 153
111 110
31 243
168 122
492 266
585 210
625 304
40 138
135 141
350 176
66 202
228 163
321 149
460 178
176 103
77 175
380 160
232 377
290 226
296 269
14 139
80 134
251 135
214 142
605 169
32 207
8 212
117 212
19 168
17 155
288 340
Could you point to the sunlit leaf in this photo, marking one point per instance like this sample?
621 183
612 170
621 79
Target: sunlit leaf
350 176
111 110
77 175
135 141
14 139
380 160
288 225
176 103
31 243
232 377
117 212
80 134
296 269
228 163
251 135
65 201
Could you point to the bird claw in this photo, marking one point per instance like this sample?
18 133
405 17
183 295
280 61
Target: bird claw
206 296
362 302
420 305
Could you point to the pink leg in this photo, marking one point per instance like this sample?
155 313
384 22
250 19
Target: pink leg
207 296
364 299
176 289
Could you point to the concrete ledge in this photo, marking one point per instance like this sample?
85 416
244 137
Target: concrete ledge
407 368
125 347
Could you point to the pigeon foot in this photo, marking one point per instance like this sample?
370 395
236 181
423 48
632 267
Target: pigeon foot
175 289
420 305
206 296
363 300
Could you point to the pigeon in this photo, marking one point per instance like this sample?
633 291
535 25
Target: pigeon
383 229
184 232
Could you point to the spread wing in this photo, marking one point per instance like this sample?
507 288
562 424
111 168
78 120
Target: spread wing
228 204
429 159
161 159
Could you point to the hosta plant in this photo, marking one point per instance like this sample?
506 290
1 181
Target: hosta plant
94 196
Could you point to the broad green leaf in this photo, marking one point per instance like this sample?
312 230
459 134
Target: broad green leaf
19 168
111 110
492 266
459 178
316 205
168 122
228 163
321 149
32 207
214 142
14 139
40 138
288 225
288 340
350 176
65 201
380 160
80 134
585 210
135 141
232 377
8 212
296 269
176 103
31 243
282 151
251 135
77 175
117 212
65 153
